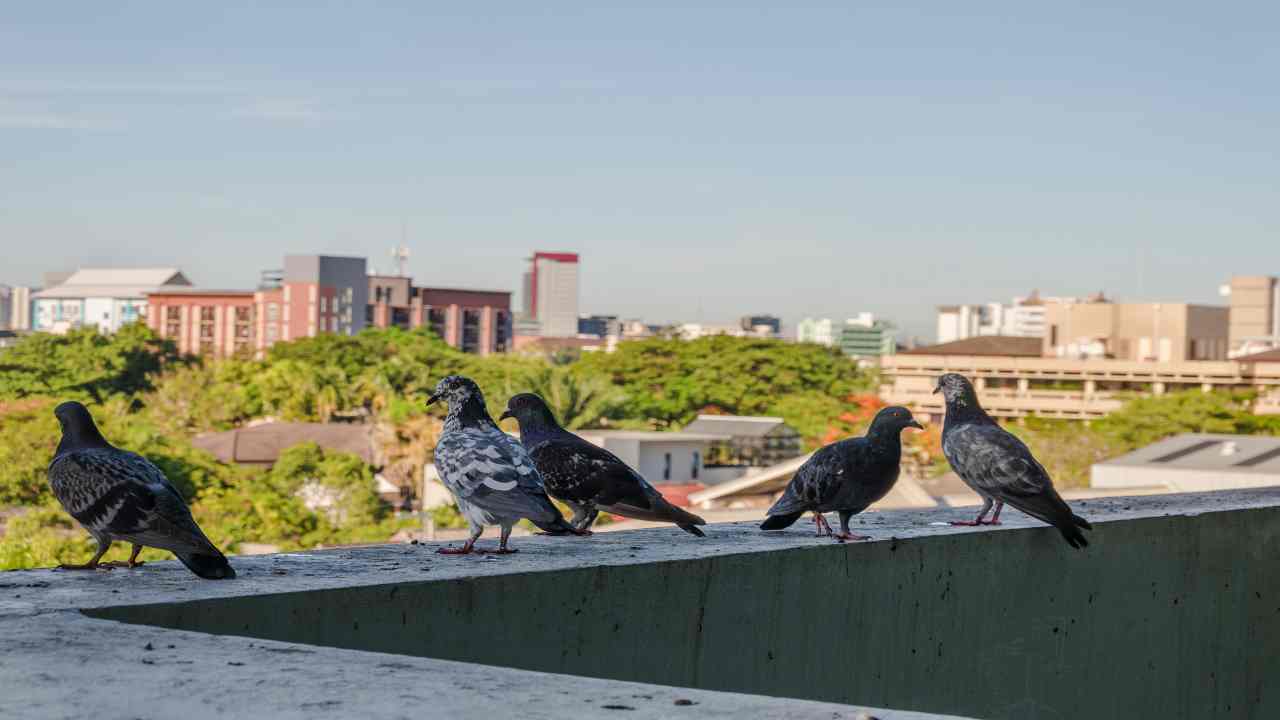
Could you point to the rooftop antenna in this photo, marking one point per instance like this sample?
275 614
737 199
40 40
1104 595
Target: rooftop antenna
400 258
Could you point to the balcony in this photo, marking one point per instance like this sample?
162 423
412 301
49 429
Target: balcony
1173 611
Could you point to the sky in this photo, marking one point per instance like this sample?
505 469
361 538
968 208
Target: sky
707 161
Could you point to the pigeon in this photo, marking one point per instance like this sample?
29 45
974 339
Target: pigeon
488 472
998 466
587 477
847 476
119 495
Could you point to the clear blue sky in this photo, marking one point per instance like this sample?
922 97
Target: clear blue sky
707 162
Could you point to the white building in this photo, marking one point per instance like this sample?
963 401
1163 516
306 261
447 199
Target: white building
551 293
15 307
816 330
1023 317
665 457
106 298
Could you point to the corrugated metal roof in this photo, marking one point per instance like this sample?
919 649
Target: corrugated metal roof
735 425
115 283
653 435
1200 451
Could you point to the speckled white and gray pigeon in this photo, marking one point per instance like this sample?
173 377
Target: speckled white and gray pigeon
119 495
998 466
845 477
587 477
488 472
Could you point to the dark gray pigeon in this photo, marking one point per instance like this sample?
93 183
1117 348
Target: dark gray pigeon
998 466
490 475
119 495
587 477
847 476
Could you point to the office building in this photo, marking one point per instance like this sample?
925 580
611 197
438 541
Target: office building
105 298
816 330
474 321
1145 332
1023 317
315 294
1254 314
761 325
551 293
866 337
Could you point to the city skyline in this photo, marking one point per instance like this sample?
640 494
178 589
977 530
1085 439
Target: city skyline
706 163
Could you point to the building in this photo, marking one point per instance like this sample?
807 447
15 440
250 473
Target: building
1023 317
218 323
474 321
313 294
761 325
816 330
1014 379
600 326
261 444
551 293
105 298
1146 332
1254 314
752 441
866 337
1194 462
674 458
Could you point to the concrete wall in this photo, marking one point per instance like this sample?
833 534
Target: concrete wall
1174 611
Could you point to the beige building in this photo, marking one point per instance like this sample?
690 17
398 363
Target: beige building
1142 332
1013 380
1255 314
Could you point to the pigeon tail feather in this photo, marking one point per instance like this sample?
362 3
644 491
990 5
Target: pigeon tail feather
210 566
778 522
1081 522
692 530
558 526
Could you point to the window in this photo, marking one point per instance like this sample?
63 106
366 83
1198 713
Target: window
436 320
400 317
172 321
242 332
206 329
273 312
471 330
697 460
666 466
502 331
1053 336
324 304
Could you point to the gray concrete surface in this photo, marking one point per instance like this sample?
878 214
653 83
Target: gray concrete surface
1174 611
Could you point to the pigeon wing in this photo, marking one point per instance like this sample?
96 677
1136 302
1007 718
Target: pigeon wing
994 461
580 472
123 495
491 470
814 484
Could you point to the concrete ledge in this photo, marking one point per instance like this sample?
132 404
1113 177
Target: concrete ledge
1173 611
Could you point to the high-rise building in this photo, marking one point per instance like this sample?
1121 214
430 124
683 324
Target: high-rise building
1145 332
864 336
1254 313
599 326
816 330
762 325
551 293
1023 317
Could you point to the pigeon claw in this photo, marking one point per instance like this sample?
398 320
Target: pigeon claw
841 537
464 550
988 522
966 523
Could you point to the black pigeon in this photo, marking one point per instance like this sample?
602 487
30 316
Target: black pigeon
490 475
847 476
998 466
119 495
587 477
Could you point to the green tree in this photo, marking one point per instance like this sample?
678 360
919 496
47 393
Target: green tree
84 364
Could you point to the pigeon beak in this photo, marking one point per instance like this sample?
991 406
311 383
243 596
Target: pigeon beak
937 389
915 425
431 400
505 414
